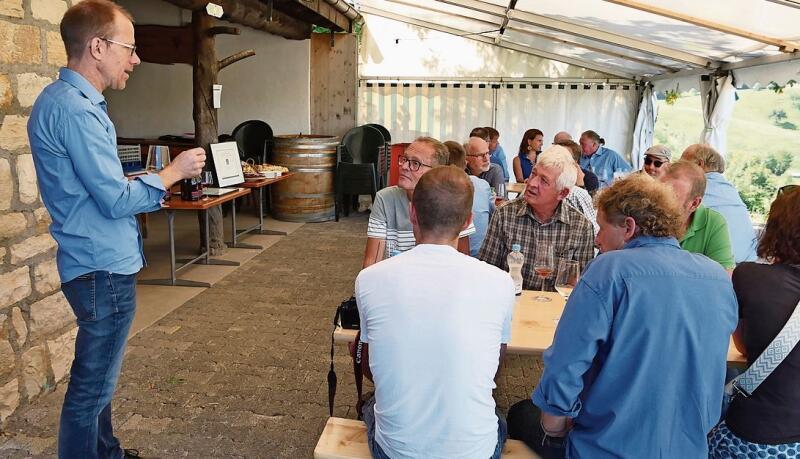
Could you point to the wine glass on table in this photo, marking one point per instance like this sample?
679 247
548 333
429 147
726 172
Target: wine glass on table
543 265
157 159
567 277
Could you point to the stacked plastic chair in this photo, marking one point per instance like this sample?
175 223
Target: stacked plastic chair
254 139
361 165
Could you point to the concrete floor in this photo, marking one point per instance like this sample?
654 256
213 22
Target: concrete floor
240 369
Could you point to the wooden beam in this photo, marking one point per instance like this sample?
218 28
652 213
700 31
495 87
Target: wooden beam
584 31
783 45
254 14
164 44
235 58
503 44
226 30
335 20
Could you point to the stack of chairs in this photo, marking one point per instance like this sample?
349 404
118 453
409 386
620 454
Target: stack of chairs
363 160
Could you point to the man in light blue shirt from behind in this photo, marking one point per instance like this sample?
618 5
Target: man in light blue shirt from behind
604 162
723 197
93 208
637 365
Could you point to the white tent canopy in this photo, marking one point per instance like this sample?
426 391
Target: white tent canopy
586 46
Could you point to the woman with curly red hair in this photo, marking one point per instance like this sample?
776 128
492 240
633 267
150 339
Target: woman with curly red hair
767 423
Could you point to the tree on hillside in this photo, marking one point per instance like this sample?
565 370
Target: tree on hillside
778 164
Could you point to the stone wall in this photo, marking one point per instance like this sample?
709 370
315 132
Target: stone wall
37 328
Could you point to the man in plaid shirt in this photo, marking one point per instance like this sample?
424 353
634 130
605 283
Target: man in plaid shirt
541 217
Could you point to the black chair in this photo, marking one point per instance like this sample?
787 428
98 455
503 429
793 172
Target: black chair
385 154
254 139
358 157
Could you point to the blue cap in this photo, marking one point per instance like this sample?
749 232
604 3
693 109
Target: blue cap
516 247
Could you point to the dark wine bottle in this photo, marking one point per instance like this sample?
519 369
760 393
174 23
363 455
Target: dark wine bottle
191 189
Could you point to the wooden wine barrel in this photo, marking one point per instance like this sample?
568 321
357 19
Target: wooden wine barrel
309 195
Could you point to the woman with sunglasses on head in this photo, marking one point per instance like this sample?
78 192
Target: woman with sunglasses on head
656 161
767 423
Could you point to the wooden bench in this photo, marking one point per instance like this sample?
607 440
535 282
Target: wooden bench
347 438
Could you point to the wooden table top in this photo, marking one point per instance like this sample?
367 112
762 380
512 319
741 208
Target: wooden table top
265 181
515 187
206 202
534 325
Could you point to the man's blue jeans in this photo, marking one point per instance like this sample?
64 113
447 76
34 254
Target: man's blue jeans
368 414
104 304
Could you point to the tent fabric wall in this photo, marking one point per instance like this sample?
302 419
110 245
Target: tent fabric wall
449 111
645 126
718 112
410 110
610 110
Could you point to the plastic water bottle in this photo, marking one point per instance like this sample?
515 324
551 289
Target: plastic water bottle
515 261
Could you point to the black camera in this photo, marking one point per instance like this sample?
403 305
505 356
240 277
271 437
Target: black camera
347 314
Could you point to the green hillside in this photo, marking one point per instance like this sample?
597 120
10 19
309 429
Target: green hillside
763 140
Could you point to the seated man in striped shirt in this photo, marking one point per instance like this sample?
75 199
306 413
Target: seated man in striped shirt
389 230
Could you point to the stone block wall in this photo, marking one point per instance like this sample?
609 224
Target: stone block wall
37 327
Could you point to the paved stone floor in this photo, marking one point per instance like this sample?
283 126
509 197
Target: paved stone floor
240 370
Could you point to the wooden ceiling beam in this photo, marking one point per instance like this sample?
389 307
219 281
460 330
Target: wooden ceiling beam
783 45
254 14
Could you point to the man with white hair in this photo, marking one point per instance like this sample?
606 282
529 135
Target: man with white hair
478 162
723 197
541 219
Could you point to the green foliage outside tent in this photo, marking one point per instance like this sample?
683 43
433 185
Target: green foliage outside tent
763 140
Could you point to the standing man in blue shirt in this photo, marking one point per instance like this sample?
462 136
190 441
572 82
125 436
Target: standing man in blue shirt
604 162
637 365
93 208
498 156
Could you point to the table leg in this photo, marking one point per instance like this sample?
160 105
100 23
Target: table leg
235 233
173 272
261 229
205 258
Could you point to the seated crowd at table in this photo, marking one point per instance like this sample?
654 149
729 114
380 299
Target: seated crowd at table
637 366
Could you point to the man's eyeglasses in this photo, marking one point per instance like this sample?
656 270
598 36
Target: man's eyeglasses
787 189
413 164
648 161
124 45
479 155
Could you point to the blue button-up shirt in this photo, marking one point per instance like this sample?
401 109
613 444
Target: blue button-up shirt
639 354
604 162
723 197
499 157
92 204
482 210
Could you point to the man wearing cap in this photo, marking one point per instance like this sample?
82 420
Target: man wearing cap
656 161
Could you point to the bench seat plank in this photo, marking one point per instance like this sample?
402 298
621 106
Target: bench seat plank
347 439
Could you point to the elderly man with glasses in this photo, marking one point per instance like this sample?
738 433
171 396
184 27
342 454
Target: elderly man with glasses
479 164
389 230
93 207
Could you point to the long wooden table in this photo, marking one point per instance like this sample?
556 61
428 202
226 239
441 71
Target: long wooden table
207 202
534 325
514 187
